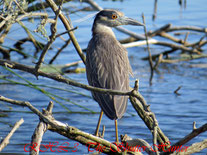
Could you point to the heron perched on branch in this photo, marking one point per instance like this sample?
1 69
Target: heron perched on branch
107 64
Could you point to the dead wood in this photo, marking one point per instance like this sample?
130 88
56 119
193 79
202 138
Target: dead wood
5 141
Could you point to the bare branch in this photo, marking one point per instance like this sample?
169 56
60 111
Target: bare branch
59 51
6 53
32 14
190 136
192 28
176 91
68 27
59 78
5 142
196 147
40 130
162 43
70 132
48 45
143 111
149 52
186 58
155 11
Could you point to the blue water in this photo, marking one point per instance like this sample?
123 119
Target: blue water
175 113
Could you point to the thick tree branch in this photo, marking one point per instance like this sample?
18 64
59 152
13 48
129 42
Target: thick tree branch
41 128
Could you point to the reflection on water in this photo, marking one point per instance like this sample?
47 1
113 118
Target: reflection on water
175 113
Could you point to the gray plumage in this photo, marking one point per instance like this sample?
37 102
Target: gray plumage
107 64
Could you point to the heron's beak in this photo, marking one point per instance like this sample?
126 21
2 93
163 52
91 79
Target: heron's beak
130 21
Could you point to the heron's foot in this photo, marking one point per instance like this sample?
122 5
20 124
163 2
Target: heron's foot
100 134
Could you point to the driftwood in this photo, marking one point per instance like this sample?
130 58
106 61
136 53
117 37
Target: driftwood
176 44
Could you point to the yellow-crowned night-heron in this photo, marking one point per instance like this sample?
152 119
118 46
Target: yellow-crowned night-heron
107 64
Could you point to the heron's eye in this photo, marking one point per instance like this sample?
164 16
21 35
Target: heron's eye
114 16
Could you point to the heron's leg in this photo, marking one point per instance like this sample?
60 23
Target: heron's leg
116 128
99 122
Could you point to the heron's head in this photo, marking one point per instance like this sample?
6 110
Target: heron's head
113 18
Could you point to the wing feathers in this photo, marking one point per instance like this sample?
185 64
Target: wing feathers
107 66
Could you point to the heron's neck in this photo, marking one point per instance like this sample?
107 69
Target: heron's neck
100 28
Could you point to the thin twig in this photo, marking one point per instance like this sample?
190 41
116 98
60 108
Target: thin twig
5 20
5 32
159 60
20 8
68 27
5 142
30 36
155 11
43 5
58 35
154 132
159 30
59 51
149 53
176 91
194 125
48 45
186 37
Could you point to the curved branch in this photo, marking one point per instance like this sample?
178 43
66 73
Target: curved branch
59 78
